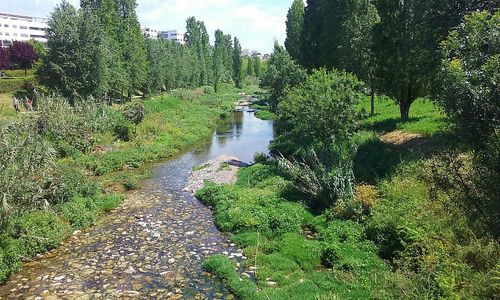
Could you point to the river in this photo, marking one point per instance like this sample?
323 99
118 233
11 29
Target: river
154 244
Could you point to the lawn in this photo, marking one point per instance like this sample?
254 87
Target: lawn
425 117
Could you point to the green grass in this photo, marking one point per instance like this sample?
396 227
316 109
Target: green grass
398 238
263 111
170 126
425 117
266 115
270 230
20 73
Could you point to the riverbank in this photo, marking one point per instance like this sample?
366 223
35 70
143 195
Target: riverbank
397 238
85 183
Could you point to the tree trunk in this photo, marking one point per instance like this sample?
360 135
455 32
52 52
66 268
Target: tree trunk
404 108
372 102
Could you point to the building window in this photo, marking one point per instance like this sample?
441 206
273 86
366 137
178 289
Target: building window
23 27
24 35
14 26
6 25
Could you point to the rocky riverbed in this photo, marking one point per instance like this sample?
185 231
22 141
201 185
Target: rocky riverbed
151 247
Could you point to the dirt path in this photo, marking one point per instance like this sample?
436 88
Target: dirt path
151 247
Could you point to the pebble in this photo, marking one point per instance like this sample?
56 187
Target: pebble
152 246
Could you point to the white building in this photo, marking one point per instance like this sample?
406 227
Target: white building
21 28
150 33
172 35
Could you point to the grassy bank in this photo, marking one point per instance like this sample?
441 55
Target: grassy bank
263 111
398 238
65 164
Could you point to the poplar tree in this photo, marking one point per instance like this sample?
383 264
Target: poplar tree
294 26
257 66
218 59
237 64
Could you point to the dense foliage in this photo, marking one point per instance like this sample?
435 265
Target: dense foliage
392 45
470 93
294 25
99 51
282 73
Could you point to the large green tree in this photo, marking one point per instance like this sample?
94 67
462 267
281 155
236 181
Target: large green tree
294 26
237 64
281 74
198 40
338 34
218 59
75 62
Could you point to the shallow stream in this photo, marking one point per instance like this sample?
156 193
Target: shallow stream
154 244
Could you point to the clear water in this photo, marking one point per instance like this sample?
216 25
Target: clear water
154 244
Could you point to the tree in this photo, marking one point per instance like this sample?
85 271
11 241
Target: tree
335 36
4 59
469 86
218 59
319 119
198 40
282 73
75 64
468 90
250 68
39 47
402 51
257 66
237 64
23 55
294 26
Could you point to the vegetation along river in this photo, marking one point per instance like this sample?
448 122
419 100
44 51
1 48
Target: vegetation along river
154 244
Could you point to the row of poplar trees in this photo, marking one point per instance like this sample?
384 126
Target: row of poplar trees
392 45
99 51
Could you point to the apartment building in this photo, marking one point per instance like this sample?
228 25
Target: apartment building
172 35
21 28
150 33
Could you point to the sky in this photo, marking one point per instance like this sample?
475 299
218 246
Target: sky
256 23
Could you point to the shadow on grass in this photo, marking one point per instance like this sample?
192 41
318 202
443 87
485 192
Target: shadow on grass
387 125
376 160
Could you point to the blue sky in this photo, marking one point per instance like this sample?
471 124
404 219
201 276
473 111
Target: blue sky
256 22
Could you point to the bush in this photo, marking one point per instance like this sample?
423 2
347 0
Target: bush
260 158
35 232
209 90
25 168
321 111
326 177
79 212
134 112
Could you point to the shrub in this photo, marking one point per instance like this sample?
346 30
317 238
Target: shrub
326 177
322 110
26 165
260 158
35 232
79 212
134 112
209 90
